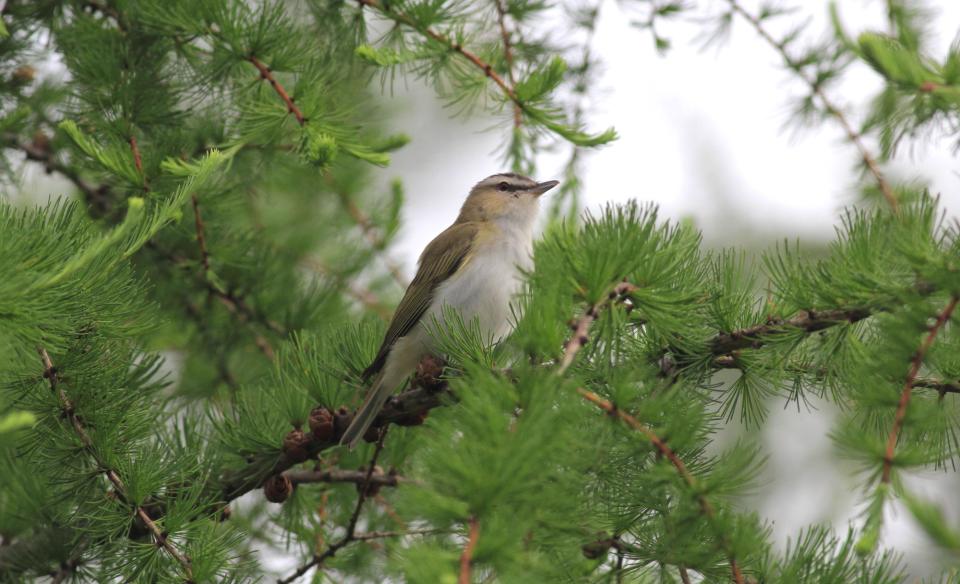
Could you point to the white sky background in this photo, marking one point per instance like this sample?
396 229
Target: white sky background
703 134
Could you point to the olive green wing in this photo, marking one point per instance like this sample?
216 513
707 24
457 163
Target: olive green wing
441 258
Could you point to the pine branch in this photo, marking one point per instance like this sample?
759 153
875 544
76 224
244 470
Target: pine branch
95 195
266 73
201 238
809 321
67 409
705 506
466 558
386 534
908 385
831 108
335 475
508 58
404 19
350 536
400 409
581 326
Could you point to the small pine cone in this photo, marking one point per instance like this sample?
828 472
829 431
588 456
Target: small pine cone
373 488
321 424
596 549
296 445
277 488
429 373
412 419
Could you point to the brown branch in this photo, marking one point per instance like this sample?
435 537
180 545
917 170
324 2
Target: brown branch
38 151
454 46
808 321
400 409
915 365
350 536
705 506
137 160
508 57
684 576
830 107
266 73
581 326
335 475
466 558
385 534
201 238
370 232
67 408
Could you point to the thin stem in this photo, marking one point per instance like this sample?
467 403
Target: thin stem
67 408
908 384
684 576
581 327
705 506
386 534
454 46
95 195
829 106
380 479
266 73
350 536
466 558
508 57
201 238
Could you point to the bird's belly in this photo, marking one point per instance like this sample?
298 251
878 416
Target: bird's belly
483 290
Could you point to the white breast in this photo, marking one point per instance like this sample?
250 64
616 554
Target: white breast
485 287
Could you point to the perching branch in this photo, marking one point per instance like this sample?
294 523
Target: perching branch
908 385
400 409
829 106
160 537
705 506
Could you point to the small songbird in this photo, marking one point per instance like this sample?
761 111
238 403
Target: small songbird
474 267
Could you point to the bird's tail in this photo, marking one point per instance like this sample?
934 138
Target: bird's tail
367 412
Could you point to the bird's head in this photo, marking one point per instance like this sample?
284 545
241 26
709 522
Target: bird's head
504 197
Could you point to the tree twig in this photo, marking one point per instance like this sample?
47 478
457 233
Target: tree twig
350 536
267 73
335 475
705 506
466 558
508 58
66 406
908 384
454 46
829 106
581 326
810 321
201 238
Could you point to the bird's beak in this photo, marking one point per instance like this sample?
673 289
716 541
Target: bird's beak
544 187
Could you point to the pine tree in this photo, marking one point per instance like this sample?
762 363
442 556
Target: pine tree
182 336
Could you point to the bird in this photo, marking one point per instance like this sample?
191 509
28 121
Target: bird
475 267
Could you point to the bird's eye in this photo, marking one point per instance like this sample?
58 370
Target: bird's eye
503 186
